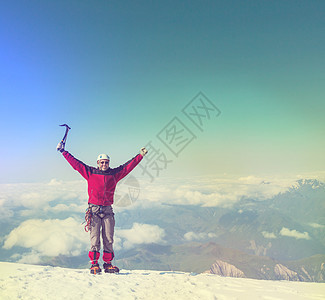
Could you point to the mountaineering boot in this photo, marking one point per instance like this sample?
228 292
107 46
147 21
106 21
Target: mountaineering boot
109 268
95 269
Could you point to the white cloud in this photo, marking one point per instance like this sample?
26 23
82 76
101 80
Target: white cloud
33 198
6 213
32 257
66 237
294 233
49 237
251 179
191 236
213 191
268 235
139 234
316 225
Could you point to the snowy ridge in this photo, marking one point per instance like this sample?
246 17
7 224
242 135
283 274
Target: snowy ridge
20 281
312 183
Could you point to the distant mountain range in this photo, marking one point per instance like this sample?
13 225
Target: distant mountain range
289 226
215 259
279 238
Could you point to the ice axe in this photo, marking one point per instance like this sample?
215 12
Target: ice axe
61 145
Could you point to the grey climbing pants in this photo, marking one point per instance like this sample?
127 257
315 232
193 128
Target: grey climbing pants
102 223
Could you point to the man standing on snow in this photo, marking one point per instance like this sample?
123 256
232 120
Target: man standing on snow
101 187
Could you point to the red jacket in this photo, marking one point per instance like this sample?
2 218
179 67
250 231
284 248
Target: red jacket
102 184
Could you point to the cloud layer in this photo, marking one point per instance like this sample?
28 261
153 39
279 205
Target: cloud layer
55 197
139 234
47 216
48 238
213 191
35 199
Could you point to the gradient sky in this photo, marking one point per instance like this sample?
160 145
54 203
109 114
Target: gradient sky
119 71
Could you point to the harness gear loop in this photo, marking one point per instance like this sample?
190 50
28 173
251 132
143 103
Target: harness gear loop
88 217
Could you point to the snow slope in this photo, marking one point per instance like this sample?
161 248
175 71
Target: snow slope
20 281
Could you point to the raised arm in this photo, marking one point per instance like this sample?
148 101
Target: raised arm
125 169
78 165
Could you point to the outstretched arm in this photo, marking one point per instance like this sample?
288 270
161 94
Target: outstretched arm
125 169
78 165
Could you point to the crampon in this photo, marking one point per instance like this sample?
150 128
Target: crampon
109 268
95 269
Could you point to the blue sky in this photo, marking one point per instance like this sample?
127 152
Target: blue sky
118 71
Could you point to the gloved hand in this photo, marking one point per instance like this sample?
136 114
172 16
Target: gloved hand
60 147
143 151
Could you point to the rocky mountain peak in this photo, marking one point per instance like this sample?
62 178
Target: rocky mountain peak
283 273
224 269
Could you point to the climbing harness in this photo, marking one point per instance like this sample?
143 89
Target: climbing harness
89 215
